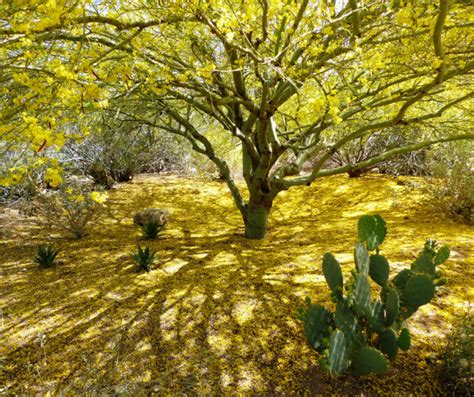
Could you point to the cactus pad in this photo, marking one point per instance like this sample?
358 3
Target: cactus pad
332 273
369 361
442 255
376 318
361 257
419 290
346 320
404 339
379 269
423 264
372 230
316 323
338 356
361 293
401 279
388 343
407 311
392 306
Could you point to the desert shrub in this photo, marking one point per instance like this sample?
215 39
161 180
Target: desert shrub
144 258
117 150
23 176
100 175
412 163
364 334
451 187
457 371
111 153
20 178
364 148
69 208
14 195
45 256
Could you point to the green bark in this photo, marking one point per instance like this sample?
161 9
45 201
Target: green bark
256 220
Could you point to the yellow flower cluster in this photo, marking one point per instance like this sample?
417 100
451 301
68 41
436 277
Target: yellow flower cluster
99 197
53 177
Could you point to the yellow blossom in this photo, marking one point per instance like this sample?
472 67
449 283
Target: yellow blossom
99 197
53 177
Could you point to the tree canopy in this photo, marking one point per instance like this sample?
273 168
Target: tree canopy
291 81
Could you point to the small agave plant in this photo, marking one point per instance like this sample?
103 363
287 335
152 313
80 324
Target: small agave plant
151 229
144 258
366 332
46 256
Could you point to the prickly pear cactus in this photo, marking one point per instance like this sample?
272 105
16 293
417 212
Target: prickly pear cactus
364 334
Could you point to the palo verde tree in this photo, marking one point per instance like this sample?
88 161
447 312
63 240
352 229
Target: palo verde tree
293 81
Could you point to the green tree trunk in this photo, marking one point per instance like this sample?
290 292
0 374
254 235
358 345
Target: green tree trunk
256 220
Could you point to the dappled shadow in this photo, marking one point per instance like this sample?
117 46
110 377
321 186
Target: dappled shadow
216 315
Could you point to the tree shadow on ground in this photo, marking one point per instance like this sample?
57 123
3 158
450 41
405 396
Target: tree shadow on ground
216 315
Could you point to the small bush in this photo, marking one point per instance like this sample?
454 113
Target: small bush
363 334
69 208
116 150
21 179
457 372
100 175
151 229
45 257
361 149
144 258
452 187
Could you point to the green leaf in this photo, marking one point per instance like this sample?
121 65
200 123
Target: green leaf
369 361
379 269
332 273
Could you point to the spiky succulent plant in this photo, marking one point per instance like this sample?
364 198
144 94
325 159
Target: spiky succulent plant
365 332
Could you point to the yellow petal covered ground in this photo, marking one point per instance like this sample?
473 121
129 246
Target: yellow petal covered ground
216 315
